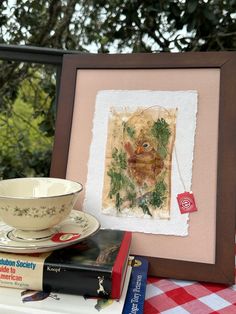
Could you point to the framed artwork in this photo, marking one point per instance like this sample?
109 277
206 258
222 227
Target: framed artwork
151 137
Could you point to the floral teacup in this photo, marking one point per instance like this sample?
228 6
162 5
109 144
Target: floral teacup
33 206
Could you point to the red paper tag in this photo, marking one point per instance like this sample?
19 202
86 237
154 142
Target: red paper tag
186 202
65 237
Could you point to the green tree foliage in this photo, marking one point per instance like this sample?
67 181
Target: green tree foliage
149 26
120 25
26 142
101 26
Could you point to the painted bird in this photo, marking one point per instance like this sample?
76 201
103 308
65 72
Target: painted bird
144 162
32 296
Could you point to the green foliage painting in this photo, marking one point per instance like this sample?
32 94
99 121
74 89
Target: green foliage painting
138 163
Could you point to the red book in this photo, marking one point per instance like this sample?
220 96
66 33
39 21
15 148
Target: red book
120 266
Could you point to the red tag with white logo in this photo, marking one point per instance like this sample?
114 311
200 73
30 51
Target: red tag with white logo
65 237
186 202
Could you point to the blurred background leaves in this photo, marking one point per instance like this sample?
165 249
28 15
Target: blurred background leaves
27 91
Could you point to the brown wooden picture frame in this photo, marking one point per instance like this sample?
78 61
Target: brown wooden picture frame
222 270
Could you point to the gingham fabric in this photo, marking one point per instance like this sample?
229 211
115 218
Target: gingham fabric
170 296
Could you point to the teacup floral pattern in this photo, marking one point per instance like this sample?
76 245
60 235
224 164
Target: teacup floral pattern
39 212
81 221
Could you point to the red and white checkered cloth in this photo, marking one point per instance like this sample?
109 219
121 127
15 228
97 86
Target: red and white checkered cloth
182 297
170 296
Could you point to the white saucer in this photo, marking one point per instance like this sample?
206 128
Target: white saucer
76 227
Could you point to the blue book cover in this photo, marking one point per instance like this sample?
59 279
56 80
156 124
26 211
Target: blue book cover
134 302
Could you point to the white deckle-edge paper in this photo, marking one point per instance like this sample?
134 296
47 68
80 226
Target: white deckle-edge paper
186 102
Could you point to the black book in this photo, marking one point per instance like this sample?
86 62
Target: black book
94 267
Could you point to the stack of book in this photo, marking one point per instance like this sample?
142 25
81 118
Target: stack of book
97 274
